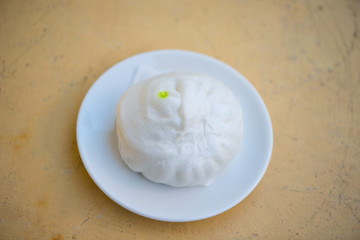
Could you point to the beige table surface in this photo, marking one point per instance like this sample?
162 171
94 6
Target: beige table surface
302 56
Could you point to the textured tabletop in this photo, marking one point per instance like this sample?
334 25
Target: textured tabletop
303 57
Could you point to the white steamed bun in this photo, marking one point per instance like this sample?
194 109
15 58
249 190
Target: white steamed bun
179 129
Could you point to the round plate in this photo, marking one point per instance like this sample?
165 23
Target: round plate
97 142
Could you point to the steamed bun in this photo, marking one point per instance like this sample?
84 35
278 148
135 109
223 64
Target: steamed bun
179 129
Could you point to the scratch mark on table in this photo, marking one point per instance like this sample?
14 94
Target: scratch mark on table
313 216
31 45
84 221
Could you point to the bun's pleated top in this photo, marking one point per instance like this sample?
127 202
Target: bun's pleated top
179 129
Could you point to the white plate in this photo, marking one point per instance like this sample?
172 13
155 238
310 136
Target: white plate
97 143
